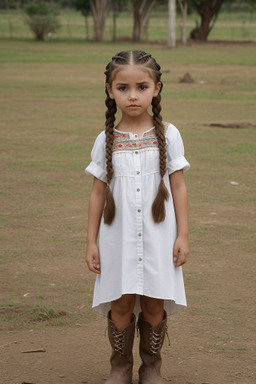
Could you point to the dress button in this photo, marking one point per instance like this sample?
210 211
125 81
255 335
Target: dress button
139 210
138 190
138 172
139 234
140 259
136 152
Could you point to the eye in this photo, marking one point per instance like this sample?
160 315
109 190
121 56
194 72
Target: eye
142 87
122 88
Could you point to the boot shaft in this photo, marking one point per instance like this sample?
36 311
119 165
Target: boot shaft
121 358
121 341
151 342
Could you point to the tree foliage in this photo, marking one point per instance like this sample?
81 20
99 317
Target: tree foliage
42 18
83 6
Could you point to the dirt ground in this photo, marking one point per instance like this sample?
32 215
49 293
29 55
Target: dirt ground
47 129
80 355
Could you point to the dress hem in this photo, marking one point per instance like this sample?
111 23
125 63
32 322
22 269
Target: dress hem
171 306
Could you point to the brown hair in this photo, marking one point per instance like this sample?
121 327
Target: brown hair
138 58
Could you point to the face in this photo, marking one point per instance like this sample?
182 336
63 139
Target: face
133 89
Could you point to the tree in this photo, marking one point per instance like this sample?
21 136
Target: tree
184 11
99 12
42 18
141 10
208 11
84 7
171 39
116 6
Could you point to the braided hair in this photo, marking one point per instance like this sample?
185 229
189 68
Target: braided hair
138 58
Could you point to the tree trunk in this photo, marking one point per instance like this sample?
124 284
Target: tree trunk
141 13
136 27
146 17
86 27
40 36
184 11
99 12
114 21
208 14
171 38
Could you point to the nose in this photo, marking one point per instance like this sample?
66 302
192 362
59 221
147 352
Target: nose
133 95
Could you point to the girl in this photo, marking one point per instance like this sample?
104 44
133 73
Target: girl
138 205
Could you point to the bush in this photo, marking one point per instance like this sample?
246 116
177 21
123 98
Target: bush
42 18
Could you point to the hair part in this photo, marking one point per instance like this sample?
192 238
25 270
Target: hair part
145 59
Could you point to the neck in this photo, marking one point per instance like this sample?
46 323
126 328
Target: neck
134 124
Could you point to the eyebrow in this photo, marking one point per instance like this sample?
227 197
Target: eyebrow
141 82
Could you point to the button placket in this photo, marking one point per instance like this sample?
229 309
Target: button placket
139 227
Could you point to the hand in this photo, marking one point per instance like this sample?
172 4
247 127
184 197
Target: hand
180 251
93 258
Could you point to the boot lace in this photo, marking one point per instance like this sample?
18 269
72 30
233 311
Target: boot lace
119 340
157 340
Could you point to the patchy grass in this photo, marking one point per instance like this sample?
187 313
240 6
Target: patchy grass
51 110
18 315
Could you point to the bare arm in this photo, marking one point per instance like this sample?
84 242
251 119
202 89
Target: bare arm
96 206
180 199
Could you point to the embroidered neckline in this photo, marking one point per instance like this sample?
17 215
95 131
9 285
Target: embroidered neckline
123 142
127 134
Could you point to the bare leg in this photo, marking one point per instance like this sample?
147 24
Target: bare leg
122 311
152 310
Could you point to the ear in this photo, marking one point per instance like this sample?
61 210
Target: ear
109 89
158 87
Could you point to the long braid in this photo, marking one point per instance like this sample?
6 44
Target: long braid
138 58
158 207
109 210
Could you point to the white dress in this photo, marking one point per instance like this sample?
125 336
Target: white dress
136 254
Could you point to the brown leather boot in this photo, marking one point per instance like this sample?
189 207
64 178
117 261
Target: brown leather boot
151 342
122 358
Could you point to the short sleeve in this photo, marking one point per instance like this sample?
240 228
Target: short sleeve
97 166
176 160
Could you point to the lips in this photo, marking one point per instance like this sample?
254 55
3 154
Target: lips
133 106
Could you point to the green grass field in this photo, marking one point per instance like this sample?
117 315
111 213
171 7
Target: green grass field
52 108
229 26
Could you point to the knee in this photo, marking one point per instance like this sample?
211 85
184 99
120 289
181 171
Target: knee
124 305
151 306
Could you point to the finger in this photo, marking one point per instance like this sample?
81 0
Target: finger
175 254
181 260
177 258
93 266
96 262
94 269
96 265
